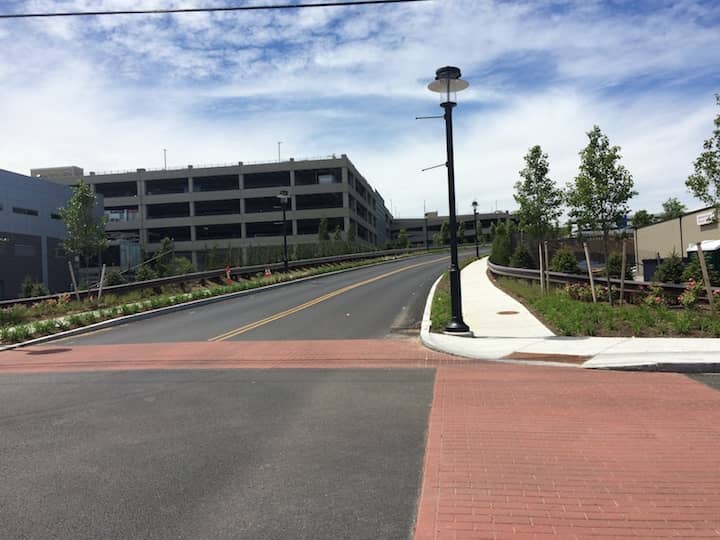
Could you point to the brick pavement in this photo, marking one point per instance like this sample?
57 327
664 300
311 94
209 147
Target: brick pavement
513 451
539 452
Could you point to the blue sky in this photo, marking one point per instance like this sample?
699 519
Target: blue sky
109 93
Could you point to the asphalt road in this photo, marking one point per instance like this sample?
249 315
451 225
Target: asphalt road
710 379
381 301
271 454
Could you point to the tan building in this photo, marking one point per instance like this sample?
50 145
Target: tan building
659 240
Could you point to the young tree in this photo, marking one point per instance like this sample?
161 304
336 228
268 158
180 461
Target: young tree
164 256
403 241
85 232
673 208
599 196
641 219
323 234
337 235
539 197
460 232
445 232
705 182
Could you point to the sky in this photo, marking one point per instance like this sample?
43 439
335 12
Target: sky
111 92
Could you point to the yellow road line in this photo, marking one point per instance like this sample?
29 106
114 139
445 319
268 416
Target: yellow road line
310 303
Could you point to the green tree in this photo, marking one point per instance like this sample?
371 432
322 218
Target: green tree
323 234
670 270
403 241
704 183
164 256
538 196
501 246
85 232
461 232
642 218
673 208
337 235
599 196
521 258
445 233
351 235
564 261
437 240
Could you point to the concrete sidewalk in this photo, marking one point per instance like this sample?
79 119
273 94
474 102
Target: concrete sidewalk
505 330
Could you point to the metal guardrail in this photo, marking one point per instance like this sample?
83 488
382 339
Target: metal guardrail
215 274
631 287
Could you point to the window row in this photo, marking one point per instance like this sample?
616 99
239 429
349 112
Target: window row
227 231
227 182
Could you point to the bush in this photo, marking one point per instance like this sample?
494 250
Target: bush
670 270
521 258
145 273
614 267
564 261
694 272
113 277
178 266
31 288
500 253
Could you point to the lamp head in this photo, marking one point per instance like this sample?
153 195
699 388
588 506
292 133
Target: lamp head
447 80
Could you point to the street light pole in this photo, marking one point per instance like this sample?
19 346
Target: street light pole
475 214
447 80
284 198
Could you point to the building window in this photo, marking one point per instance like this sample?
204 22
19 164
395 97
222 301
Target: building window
166 186
217 208
168 210
218 232
116 189
179 234
319 200
318 176
226 182
265 180
24 250
264 228
25 211
262 204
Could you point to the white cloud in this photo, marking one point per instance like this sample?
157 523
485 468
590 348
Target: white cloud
111 92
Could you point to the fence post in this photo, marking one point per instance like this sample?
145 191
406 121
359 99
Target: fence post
622 272
74 281
706 276
547 268
540 258
589 269
102 280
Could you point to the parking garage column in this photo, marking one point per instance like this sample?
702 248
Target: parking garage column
293 205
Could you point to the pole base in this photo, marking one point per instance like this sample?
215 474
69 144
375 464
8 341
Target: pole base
457 327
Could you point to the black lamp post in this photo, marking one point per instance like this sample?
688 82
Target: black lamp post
477 248
447 81
284 199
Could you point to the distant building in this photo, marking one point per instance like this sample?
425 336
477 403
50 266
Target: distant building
660 240
30 233
235 206
421 229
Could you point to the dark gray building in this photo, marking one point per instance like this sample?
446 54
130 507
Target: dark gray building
234 206
421 229
30 233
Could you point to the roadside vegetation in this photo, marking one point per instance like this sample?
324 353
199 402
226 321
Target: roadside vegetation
21 322
569 311
441 310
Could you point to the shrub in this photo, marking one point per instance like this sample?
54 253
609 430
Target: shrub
692 292
144 273
522 258
694 272
564 261
31 288
670 270
178 266
113 277
500 253
655 297
614 267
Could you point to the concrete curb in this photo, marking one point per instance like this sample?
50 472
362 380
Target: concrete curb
636 354
109 323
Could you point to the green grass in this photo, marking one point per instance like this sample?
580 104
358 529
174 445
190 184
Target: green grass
569 317
441 310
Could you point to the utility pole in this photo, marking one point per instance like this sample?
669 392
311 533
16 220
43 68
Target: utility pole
165 157
279 143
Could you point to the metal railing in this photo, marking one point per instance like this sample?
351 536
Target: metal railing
631 287
215 274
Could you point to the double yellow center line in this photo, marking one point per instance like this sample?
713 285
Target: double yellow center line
310 303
